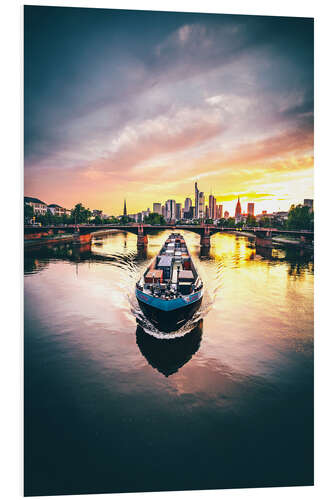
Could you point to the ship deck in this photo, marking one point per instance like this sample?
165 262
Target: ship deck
172 274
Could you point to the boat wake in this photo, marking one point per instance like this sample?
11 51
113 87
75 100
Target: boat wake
183 329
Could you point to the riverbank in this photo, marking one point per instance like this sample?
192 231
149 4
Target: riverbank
48 240
276 240
58 238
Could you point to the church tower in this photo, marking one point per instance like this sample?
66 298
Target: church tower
238 211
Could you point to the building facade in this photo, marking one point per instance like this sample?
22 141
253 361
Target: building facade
157 208
201 212
212 207
250 209
219 211
39 207
196 201
238 211
309 203
178 211
170 209
56 210
187 204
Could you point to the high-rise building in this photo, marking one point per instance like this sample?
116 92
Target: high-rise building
178 211
309 203
170 207
163 211
187 204
238 211
219 211
201 201
196 201
212 207
206 212
125 209
157 208
226 214
250 209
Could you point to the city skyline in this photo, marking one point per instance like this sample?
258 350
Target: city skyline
198 98
170 209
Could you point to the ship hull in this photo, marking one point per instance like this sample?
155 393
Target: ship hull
169 315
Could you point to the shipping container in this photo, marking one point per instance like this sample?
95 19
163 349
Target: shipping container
154 276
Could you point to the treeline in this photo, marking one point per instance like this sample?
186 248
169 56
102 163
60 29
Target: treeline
154 219
79 215
299 217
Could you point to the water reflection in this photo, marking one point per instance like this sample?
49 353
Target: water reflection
169 355
232 407
204 253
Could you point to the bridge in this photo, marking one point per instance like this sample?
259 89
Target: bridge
264 235
83 233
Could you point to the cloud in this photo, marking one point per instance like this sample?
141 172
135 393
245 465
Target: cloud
247 195
164 135
139 99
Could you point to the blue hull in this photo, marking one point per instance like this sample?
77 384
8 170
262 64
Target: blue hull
168 305
169 315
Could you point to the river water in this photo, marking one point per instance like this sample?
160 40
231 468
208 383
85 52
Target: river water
113 406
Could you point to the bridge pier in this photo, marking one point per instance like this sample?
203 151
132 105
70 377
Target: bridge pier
306 239
142 240
264 239
205 238
81 239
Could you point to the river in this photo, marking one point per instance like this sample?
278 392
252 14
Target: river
110 406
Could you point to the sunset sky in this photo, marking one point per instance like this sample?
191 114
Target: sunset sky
143 104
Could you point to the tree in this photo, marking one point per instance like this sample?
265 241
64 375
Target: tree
80 214
265 222
230 222
113 220
154 219
300 217
28 213
125 219
251 221
98 220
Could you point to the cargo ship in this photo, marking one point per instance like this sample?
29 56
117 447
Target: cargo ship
170 290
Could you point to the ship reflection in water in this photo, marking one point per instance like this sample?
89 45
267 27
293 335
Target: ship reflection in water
169 355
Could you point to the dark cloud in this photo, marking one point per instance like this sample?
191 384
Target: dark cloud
91 72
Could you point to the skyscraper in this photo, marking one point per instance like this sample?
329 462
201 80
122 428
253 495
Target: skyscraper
196 201
178 211
250 209
170 208
125 209
219 211
187 204
238 211
212 207
201 205
309 203
157 208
